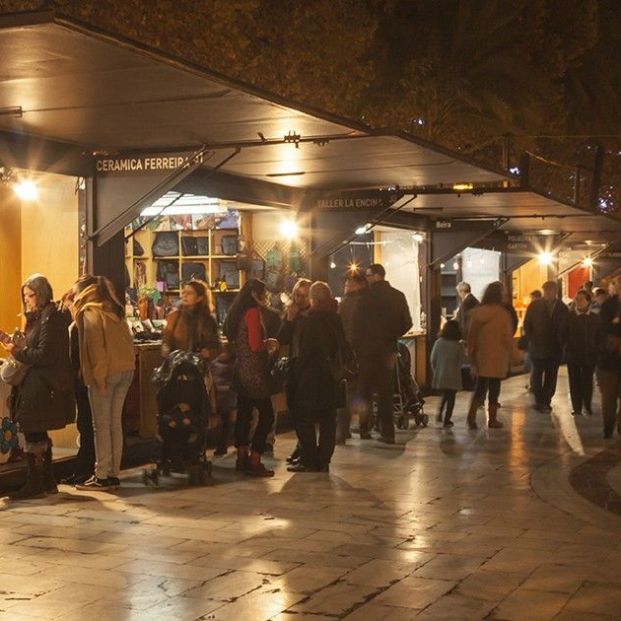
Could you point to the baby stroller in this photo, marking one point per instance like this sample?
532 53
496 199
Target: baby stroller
407 399
183 409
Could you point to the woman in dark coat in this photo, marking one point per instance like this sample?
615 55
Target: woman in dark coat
45 399
244 327
318 394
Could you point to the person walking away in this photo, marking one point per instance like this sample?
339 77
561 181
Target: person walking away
609 360
244 327
581 341
447 358
490 343
544 325
45 400
467 301
290 336
351 311
318 392
388 316
107 361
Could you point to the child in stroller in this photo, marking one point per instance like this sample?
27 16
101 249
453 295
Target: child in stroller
183 411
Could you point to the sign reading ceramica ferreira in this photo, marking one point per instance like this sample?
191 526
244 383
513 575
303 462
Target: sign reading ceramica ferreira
141 164
358 200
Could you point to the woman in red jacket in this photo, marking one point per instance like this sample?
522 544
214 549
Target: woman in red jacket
244 326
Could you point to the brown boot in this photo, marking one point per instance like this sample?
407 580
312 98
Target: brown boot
472 414
33 488
255 468
493 422
242 458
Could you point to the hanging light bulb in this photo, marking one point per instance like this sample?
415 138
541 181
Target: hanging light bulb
332 265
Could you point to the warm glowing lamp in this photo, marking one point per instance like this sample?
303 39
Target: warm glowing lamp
26 190
289 229
545 258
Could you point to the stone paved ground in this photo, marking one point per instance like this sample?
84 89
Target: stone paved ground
446 525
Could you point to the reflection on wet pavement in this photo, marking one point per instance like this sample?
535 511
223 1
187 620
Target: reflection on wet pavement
449 524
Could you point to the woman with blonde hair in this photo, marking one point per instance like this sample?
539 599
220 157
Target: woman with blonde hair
107 361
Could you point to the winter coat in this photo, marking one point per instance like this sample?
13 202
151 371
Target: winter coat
463 313
45 400
387 317
490 340
609 358
352 313
316 389
544 329
581 338
190 330
447 358
106 342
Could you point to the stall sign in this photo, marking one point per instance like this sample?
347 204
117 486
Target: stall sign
123 165
527 243
367 200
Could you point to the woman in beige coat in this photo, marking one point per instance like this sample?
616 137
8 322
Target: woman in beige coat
490 343
107 363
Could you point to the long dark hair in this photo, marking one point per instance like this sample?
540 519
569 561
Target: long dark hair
104 291
493 293
202 290
241 304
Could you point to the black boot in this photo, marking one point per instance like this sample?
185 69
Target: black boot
49 482
33 488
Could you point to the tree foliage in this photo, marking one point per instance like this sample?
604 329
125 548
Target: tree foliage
460 72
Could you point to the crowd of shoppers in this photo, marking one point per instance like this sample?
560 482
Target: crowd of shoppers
92 360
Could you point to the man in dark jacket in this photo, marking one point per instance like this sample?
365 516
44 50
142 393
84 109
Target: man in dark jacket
581 341
609 361
386 314
544 326
467 301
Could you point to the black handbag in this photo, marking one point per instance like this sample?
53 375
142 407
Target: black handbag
193 270
137 248
189 246
202 245
168 272
230 274
279 374
230 244
166 244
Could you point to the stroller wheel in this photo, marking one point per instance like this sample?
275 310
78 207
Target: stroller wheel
424 419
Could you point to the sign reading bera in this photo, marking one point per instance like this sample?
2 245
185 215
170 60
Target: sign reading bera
145 163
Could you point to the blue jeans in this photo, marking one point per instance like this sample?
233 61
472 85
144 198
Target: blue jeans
107 409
